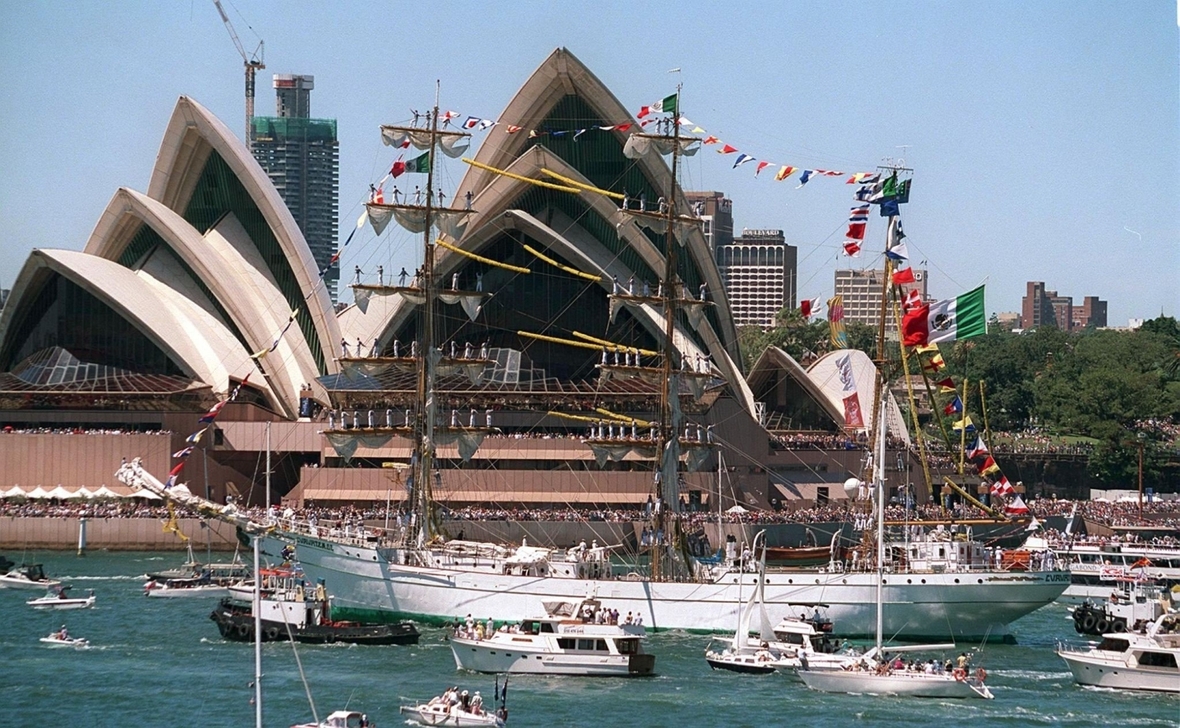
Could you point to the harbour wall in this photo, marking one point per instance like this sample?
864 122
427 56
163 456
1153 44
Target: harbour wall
115 534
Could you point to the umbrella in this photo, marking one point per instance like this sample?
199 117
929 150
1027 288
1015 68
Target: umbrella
37 493
60 493
14 492
105 492
145 494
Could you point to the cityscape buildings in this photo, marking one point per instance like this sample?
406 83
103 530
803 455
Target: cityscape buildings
301 156
760 272
1042 307
861 290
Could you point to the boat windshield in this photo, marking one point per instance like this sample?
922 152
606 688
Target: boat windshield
1113 644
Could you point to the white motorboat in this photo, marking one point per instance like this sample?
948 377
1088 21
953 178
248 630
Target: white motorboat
62 638
572 638
340 719
27 576
184 588
808 641
876 673
1096 567
58 598
1131 661
1131 607
459 709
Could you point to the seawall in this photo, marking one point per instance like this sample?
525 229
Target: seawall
116 534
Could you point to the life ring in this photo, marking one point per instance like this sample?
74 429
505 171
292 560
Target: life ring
1089 621
981 674
243 630
960 674
1103 627
272 633
1119 625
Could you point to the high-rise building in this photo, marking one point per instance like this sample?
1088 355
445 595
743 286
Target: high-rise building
301 156
3 297
759 271
716 210
1042 307
862 290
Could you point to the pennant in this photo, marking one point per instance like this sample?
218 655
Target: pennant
173 474
828 173
726 149
183 453
697 130
710 140
957 318
623 127
237 390
742 159
988 466
761 166
863 178
578 133
211 415
898 252
783 173
196 436
851 249
955 407
977 447
513 128
905 275
946 386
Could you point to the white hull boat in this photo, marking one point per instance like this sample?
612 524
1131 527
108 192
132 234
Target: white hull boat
152 589
443 715
1130 661
56 641
27 577
911 684
373 583
53 601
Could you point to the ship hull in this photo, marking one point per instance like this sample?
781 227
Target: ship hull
368 584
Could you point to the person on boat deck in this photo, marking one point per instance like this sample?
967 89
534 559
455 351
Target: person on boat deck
963 660
470 623
479 633
465 700
628 619
477 703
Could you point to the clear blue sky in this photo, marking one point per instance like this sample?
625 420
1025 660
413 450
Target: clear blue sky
1044 135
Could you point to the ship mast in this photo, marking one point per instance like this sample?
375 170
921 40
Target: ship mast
424 420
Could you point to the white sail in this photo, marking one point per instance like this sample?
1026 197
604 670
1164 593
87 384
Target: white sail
639 145
452 143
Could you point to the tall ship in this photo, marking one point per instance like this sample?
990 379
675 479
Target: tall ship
612 247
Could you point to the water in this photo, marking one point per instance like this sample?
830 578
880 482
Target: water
161 662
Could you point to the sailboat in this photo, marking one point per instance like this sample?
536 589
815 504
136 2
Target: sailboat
874 673
743 654
415 573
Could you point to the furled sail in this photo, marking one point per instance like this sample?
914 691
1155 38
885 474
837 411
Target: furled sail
639 145
452 143
657 222
470 301
451 222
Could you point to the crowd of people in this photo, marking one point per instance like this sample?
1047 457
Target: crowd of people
12 430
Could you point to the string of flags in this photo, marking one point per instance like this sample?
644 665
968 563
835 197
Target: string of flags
207 420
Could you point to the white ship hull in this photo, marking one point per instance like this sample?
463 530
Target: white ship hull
915 685
1114 672
498 658
369 584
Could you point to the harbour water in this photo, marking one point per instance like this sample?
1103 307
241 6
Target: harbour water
161 662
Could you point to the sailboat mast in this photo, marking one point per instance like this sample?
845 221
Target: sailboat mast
879 487
257 607
424 432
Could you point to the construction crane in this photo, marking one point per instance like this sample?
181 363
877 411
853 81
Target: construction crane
253 64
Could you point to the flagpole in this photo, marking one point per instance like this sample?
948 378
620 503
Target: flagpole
963 434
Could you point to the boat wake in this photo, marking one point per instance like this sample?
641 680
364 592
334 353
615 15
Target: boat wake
1032 675
118 577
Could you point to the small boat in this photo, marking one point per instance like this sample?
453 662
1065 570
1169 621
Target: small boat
28 576
744 654
62 638
573 638
1131 661
758 662
289 611
341 719
200 586
455 708
58 598
1134 603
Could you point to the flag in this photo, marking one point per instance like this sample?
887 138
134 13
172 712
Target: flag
988 466
889 208
174 474
379 196
863 178
913 299
1017 506
420 164
196 436
934 364
851 249
898 252
964 424
513 128
726 149
472 122
977 447
950 320
233 395
398 168
448 115
1001 486
946 386
783 173
805 177
805 308
710 140
183 453
485 124
859 213
742 159
856 230
838 335
905 275
212 413
903 191
761 166
664 105
954 407
852 412
863 194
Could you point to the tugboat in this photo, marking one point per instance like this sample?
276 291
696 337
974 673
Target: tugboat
289 611
1134 603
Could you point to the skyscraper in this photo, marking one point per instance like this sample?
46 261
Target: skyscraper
759 271
862 290
301 156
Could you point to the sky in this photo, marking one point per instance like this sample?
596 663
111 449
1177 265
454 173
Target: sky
1044 137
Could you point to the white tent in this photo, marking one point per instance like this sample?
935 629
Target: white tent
145 494
84 492
737 509
105 492
60 493
14 492
37 493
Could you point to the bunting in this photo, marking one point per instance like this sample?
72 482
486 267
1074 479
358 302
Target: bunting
837 334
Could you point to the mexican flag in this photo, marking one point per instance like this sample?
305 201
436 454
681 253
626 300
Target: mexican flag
664 105
950 320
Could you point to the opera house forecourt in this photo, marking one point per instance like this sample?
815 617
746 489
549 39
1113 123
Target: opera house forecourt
201 293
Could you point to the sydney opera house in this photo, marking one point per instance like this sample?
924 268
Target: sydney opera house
202 286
